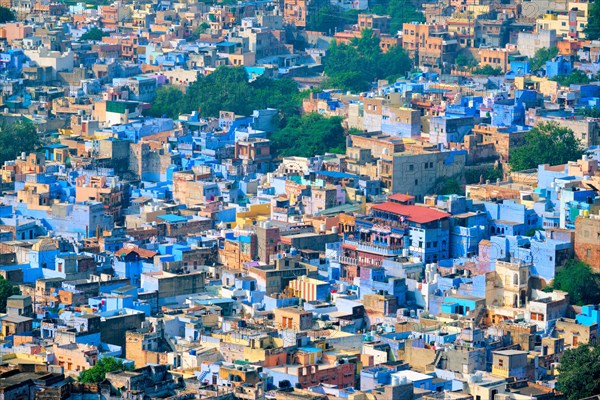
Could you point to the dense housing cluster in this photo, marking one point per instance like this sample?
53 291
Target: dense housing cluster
299 199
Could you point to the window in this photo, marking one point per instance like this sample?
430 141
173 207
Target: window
501 363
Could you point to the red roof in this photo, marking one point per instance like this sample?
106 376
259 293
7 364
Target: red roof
143 253
403 198
417 214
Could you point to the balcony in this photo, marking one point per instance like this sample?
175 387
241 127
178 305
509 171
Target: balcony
374 247
345 260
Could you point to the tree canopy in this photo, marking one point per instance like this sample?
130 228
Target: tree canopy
578 279
16 138
199 30
590 112
574 78
401 11
7 289
487 70
541 56
592 29
450 186
95 34
309 135
465 59
328 18
579 372
227 89
356 65
546 143
98 372
6 15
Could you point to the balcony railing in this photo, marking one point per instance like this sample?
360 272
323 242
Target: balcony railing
374 248
345 260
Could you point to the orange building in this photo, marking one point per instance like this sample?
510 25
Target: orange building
432 43
495 58
295 11
569 47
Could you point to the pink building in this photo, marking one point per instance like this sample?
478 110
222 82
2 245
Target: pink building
15 30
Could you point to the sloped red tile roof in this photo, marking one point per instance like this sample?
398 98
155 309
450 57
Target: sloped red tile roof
139 251
417 214
401 197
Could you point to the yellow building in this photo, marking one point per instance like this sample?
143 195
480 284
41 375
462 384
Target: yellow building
309 289
542 85
462 24
250 216
567 24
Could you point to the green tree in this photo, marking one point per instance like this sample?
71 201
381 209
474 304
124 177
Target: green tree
546 143
541 56
98 372
199 30
7 289
578 279
328 18
579 372
309 135
592 29
465 59
574 78
228 89
167 102
356 65
16 138
450 186
590 112
400 11
487 70
403 11
94 34
281 94
6 15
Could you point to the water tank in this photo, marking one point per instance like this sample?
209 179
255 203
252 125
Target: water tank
343 288
395 381
323 227
335 229
405 253
293 251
